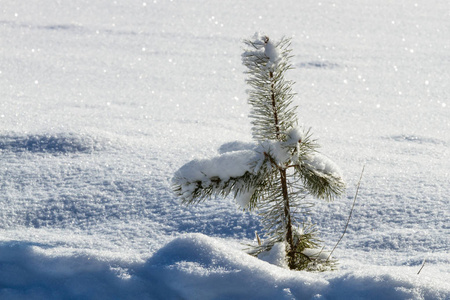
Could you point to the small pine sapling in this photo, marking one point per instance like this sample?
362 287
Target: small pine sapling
276 175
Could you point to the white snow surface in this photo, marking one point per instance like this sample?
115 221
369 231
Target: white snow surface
101 102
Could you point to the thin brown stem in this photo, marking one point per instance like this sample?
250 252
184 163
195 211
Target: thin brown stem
290 253
423 265
274 107
272 161
283 177
350 215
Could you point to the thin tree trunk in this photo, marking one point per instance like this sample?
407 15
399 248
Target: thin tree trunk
274 106
290 252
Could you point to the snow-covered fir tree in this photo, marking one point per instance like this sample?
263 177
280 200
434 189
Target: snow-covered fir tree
277 175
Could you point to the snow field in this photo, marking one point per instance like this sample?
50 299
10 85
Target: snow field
100 103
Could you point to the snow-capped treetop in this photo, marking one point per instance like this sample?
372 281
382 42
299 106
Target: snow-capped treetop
273 113
264 49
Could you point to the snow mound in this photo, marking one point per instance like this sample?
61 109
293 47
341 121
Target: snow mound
194 266
201 267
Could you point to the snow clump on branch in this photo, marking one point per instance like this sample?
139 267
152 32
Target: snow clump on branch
265 50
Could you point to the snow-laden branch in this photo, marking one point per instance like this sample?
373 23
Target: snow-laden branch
321 176
242 168
231 171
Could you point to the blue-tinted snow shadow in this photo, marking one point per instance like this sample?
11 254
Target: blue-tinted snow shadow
416 139
215 217
318 64
27 274
62 143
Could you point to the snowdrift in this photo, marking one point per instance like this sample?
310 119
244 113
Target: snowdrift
195 266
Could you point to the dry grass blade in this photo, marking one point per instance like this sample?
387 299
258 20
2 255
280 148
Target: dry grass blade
350 215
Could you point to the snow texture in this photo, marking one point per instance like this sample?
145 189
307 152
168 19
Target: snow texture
101 102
